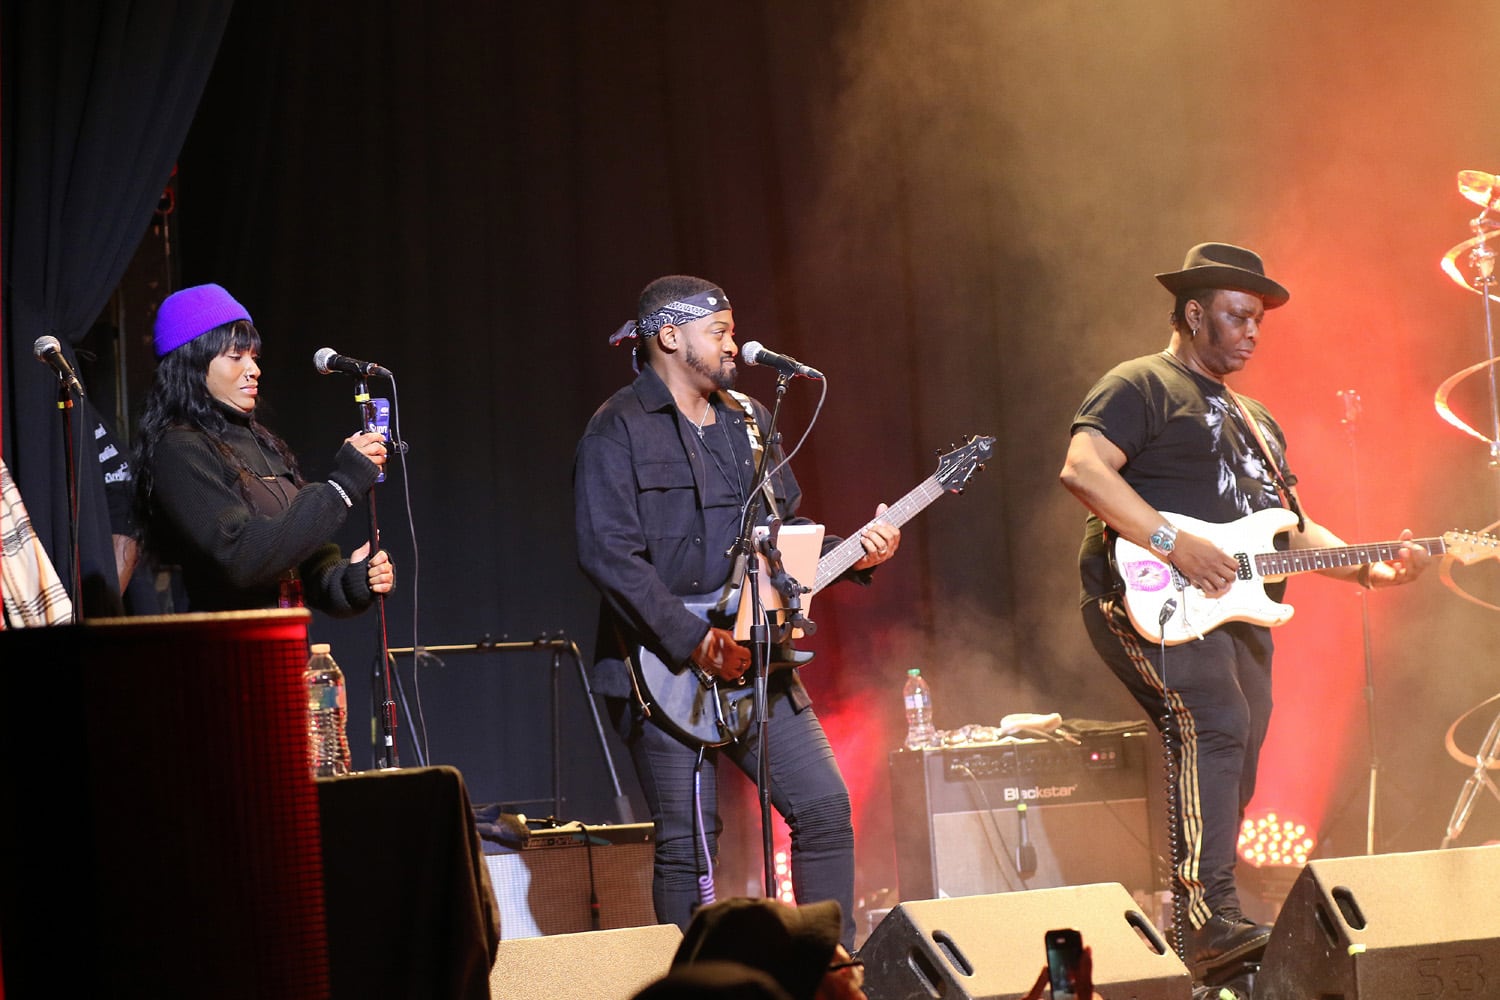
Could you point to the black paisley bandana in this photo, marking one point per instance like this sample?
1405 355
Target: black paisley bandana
674 313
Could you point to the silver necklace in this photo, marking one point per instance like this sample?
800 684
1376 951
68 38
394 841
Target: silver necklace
732 482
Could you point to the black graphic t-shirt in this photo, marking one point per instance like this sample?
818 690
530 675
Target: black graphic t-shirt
1187 449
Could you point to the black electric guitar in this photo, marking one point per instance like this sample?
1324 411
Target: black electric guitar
1163 607
712 712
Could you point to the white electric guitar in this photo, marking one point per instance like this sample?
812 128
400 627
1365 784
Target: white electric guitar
1164 607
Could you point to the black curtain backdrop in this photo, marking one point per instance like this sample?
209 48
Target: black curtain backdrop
954 209
473 197
97 97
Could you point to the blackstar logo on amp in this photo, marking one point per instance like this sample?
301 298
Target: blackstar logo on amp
1038 792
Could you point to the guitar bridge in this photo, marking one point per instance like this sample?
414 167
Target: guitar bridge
710 682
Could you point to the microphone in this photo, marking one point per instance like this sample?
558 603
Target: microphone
328 361
756 353
49 352
1026 851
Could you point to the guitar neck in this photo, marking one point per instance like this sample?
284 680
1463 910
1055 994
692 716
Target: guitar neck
850 551
1312 560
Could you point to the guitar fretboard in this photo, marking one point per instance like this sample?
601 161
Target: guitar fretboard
1312 560
850 551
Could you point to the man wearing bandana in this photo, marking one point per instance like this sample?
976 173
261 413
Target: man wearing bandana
662 474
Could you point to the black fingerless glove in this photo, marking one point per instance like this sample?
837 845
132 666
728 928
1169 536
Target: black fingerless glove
355 473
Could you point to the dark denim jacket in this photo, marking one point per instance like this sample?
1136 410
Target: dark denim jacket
638 482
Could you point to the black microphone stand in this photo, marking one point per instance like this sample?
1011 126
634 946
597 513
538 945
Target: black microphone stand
1352 412
380 677
70 459
760 642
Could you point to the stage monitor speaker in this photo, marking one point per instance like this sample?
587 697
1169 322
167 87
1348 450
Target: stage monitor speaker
169 801
599 965
1088 816
544 887
992 948
1414 926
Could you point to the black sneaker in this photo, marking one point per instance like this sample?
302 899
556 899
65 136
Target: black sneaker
1226 938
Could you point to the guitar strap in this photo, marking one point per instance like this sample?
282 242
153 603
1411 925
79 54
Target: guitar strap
741 402
1282 483
632 667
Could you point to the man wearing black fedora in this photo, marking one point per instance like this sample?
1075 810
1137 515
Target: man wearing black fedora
1164 435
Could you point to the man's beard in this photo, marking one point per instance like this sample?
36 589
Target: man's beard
722 377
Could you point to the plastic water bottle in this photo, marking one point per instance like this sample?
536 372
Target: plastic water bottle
327 711
918 697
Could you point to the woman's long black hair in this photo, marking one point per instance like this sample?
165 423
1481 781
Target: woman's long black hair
179 397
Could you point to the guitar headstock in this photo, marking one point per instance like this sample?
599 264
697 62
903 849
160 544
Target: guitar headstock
1471 546
958 466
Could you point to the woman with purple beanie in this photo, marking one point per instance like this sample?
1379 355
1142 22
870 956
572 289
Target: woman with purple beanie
221 496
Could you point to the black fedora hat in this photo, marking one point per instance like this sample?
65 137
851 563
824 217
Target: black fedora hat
1221 265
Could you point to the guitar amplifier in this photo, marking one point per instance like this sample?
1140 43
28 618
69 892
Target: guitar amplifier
1091 815
545 887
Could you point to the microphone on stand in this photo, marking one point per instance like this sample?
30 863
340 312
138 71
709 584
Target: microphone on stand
328 361
49 352
1025 851
755 353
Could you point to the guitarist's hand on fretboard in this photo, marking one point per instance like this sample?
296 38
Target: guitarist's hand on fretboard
1406 567
718 655
879 539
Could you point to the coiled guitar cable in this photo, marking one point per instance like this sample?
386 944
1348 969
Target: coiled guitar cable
1174 818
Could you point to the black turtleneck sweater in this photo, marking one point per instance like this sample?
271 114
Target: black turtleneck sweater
238 527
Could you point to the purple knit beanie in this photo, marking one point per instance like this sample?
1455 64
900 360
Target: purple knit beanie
193 311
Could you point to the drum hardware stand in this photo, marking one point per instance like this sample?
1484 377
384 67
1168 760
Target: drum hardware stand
1484 761
1484 190
1483 260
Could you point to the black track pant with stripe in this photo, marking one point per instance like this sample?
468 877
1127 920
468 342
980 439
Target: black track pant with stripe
1218 691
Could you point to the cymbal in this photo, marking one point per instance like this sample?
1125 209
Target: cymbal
1479 187
1461 254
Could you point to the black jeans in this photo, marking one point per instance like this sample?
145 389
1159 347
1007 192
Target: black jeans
1220 695
807 789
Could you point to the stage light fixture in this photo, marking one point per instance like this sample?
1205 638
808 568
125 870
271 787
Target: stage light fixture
1273 840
